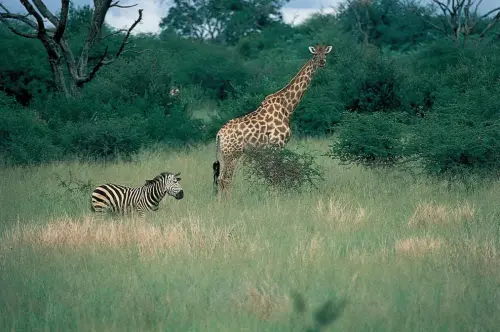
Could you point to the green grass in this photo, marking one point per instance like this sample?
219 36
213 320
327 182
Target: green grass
406 254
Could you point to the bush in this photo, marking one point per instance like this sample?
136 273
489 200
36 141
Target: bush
215 68
317 113
58 110
175 127
460 135
105 139
370 140
461 138
281 169
370 83
252 44
24 137
130 81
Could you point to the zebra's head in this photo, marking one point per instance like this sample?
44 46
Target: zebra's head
169 184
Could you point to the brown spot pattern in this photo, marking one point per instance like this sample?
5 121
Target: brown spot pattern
269 123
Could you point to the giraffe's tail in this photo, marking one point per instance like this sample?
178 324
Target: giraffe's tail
216 164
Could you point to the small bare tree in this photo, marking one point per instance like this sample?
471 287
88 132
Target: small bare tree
360 9
460 17
33 25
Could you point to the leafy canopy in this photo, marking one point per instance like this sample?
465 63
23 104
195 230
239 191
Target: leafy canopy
221 20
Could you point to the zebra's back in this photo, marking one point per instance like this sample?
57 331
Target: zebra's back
114 197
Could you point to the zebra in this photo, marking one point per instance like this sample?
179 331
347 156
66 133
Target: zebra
122 199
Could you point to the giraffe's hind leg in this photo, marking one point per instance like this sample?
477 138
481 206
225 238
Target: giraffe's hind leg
227 173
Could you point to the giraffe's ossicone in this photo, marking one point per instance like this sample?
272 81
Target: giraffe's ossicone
269 124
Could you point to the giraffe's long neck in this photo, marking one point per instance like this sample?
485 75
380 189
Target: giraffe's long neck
293 92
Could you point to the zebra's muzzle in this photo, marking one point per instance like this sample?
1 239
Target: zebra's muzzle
179 195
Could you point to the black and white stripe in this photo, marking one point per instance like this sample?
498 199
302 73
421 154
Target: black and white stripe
122 199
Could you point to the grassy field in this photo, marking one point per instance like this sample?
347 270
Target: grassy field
405 254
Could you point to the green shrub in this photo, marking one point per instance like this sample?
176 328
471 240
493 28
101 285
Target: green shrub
58 110
318 112
24 69
370 140
146 79
370 83
105 139
24 137
461 138
174 126
281 169
251 45
215 68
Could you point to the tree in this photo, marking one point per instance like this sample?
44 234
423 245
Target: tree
221 20
199 19
362 12
383 23
34 25
461 17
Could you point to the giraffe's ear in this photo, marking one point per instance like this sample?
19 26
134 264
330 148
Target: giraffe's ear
328 49
312 50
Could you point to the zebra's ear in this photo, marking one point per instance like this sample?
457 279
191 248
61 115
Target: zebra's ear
177 174
178 178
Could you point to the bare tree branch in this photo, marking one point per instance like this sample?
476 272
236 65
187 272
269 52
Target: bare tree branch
490 26
477 6
22 18
433 24
447 14
96 68
61 26
84 79
129 31
46 12
38 18
93 34
491 12
363 28
4 17
117 4
461 16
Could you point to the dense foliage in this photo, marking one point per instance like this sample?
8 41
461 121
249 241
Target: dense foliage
396 87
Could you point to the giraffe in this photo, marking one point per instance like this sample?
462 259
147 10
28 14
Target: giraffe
268 125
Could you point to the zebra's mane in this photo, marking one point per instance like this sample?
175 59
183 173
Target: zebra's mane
159 177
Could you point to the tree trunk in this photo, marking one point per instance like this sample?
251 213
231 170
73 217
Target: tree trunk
56 66
58 74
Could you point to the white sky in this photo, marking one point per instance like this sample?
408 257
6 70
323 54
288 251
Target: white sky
153 10
295 11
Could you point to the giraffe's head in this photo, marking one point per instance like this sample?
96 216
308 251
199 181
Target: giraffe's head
319 53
